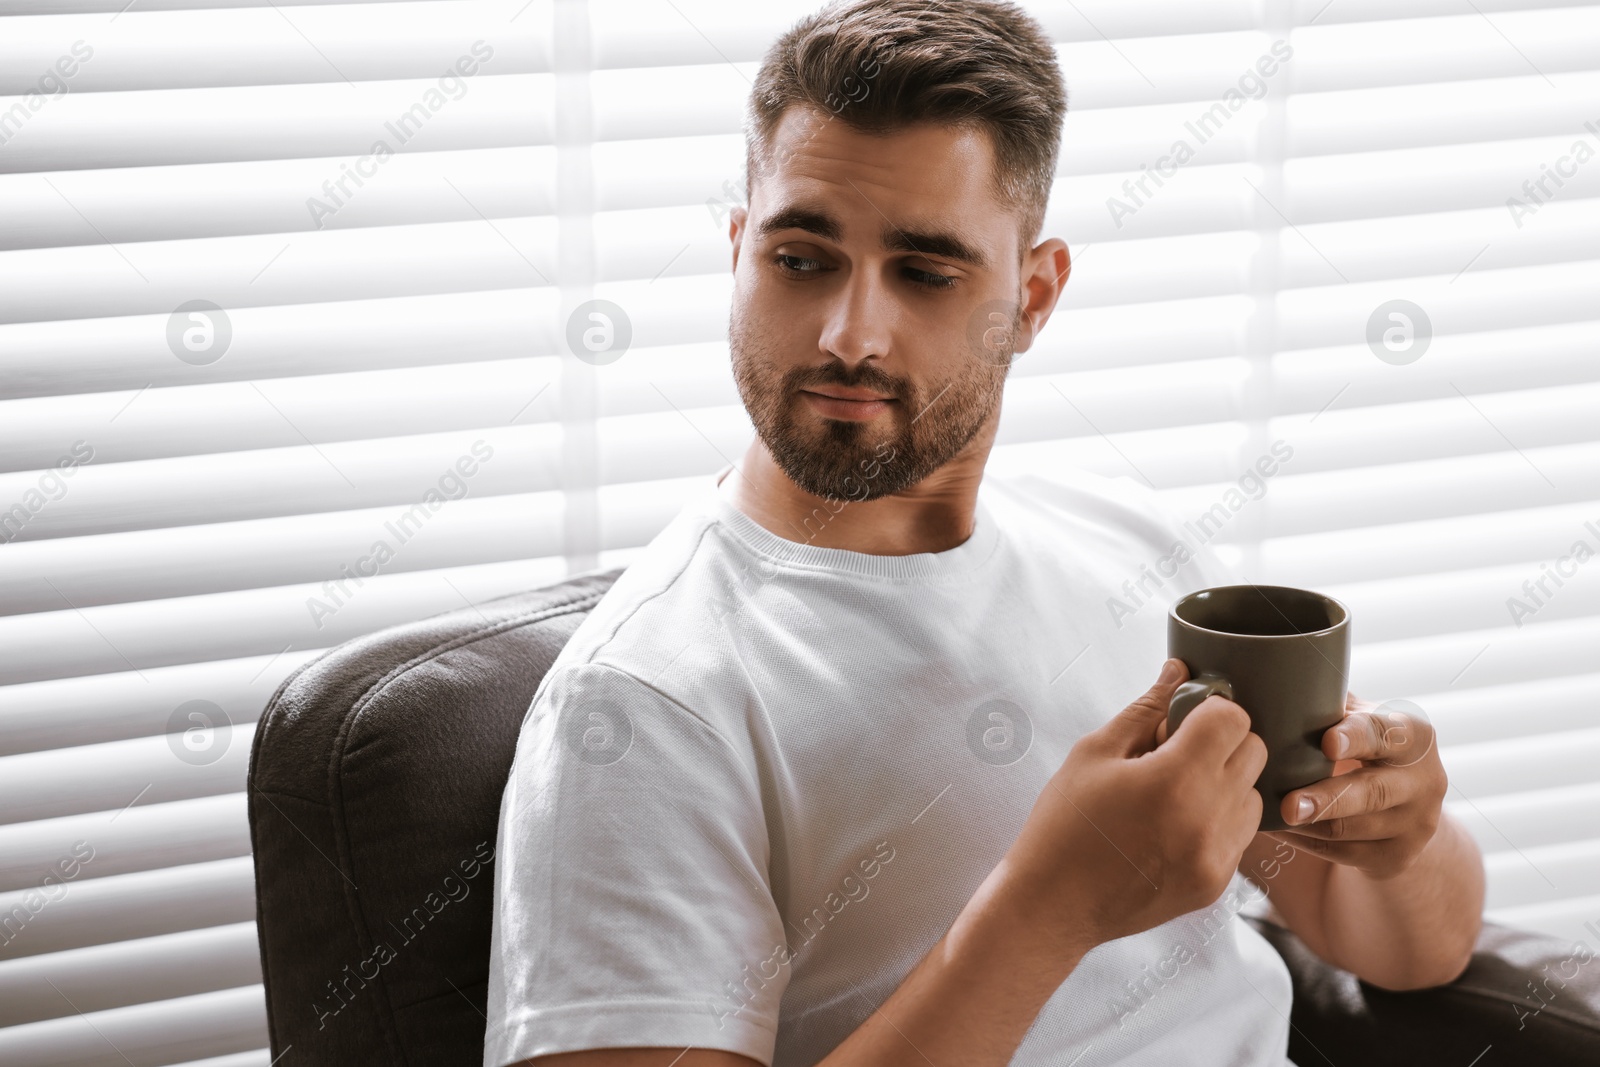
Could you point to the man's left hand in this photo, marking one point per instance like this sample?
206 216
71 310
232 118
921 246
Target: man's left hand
1382 804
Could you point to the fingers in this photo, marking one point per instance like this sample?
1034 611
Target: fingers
1133 731
1210 733
1248 760
1392 737
1249 817
1363 792
1381 854
1361 830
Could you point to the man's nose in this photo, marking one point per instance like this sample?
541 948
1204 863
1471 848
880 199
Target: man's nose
859 319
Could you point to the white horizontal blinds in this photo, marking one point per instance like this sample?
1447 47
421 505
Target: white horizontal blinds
1427 489
1427 493
384 369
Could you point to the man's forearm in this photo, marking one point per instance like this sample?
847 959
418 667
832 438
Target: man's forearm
1413 930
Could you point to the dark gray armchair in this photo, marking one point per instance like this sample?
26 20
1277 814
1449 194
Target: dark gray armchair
374 795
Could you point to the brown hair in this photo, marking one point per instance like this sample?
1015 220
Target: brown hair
881 65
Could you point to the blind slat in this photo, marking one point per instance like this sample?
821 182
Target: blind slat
105 776
151 49
229 1020
121 907
160 127
1473 658
258 483
1416 606
287 550
134 204
132 353
1519 878
1373 553
140 838
288 412
158 276
60 644
129 972
62 712
1549 814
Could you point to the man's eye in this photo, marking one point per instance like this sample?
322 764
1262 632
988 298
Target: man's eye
798 264
930 280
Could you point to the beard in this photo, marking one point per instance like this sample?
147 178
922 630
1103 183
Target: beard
922 431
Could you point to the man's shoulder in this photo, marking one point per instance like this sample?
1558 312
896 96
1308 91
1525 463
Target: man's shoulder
666 608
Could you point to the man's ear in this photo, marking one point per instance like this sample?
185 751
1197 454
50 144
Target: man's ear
1046 268
736 220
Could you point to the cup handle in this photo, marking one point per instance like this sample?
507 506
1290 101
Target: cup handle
1189 695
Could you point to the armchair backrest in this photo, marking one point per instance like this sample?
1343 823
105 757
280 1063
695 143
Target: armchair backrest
374 797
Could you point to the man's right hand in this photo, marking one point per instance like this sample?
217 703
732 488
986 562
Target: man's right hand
1130 833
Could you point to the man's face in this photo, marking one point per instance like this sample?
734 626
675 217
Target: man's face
857 273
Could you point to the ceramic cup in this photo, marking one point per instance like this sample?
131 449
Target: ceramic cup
1282 654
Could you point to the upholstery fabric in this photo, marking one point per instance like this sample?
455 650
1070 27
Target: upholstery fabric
1533 998
374 792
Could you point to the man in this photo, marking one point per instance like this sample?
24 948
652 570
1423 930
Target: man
836 771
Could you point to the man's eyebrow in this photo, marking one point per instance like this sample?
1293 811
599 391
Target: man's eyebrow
893 239
799 218
947 245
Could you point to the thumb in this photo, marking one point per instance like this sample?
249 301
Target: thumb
1132 732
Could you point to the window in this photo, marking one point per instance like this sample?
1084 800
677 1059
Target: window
274 278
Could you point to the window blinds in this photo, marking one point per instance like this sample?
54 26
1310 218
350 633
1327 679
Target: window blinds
272 274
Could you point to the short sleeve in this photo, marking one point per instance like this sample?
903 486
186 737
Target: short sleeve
632 899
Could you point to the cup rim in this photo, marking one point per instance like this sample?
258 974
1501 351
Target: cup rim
1344 618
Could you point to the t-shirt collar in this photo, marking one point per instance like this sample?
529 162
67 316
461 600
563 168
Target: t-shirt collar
717 502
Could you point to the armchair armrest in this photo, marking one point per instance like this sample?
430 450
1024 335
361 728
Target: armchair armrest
1534 998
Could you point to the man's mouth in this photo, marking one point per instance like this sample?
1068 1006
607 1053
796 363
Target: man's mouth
838 402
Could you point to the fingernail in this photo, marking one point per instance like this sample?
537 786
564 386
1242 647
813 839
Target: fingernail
1341 745
1303 809
1170 671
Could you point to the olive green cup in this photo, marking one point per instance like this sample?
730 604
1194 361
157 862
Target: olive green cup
1282 654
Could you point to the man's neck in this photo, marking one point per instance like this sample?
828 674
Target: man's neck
934 515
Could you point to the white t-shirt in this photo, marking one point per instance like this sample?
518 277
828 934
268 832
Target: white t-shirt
764 777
